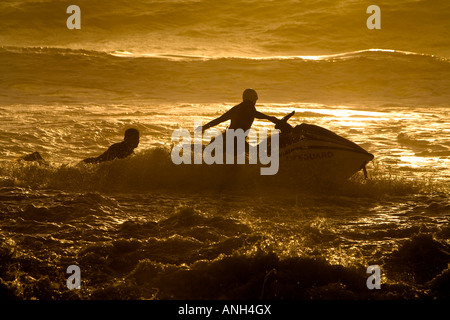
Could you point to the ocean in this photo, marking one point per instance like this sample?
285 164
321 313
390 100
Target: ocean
145 228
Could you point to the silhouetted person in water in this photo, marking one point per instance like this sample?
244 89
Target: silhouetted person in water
119 150
35 156
242 115
116 151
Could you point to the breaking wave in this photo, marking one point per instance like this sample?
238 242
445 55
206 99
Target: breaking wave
373 77
153 169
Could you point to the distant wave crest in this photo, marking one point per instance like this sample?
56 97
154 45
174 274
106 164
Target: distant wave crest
59 75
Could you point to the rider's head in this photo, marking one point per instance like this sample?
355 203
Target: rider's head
132 137
250 95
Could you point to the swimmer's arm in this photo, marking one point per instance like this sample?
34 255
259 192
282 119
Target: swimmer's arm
260 115
108 155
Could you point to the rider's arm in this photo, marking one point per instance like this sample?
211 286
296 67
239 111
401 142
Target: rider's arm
226 116
261 115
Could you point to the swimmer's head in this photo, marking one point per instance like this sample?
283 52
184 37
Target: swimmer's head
132 137
250 95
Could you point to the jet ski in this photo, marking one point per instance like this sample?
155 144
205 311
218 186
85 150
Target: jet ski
310 151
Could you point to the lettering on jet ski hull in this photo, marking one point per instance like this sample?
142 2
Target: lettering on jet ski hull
312 156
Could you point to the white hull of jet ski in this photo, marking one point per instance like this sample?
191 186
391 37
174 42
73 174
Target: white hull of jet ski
313 152
316 158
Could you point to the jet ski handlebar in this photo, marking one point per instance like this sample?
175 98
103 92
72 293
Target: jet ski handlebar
282 124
